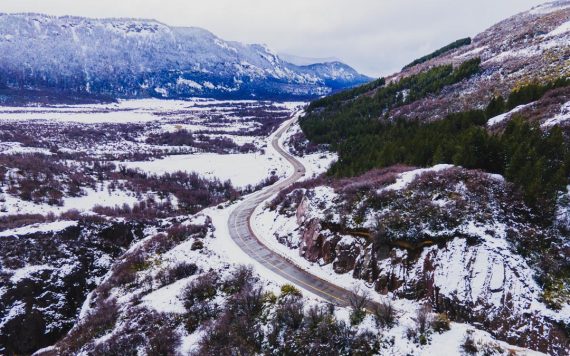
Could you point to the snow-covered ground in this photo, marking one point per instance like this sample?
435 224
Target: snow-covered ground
100 197
212 118
267 224
240 169
502 117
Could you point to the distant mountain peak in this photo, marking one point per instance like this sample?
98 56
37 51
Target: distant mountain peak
132 58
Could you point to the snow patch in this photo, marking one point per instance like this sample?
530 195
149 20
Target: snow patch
39 228
404 179
502 117
561 117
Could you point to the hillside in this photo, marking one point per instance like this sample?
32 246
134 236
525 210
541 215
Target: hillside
85 59
453 108
452 181
425 213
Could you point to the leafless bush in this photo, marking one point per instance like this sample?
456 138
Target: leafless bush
179 271
202 142
201 289
125 272
15 221
94 325
469 346
440 323
385 314
248 302
423 318
358 298
290 313
163 340
241 278
126 345
144 210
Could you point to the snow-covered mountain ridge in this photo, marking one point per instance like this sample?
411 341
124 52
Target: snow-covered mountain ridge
131 58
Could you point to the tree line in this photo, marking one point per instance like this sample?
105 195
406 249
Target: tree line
537 162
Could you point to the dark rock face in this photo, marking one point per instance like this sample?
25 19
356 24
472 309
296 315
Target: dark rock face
312 242
45 278
346 255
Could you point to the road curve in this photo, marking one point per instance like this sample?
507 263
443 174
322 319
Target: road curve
242 233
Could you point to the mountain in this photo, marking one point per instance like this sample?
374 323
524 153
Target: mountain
129 58
531 46
452 182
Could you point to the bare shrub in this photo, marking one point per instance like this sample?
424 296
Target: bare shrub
423 319
385 314
248 302
179 271
241 278
202 289
15 221
101 319
440 323
163 340
197 245
126 345
358 300
125 272
290 313
469 345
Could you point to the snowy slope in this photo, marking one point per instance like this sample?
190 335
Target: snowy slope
140 58
532 45
452 237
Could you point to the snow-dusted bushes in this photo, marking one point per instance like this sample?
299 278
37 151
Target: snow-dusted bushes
154 333
252 322
385 314
203 143
100 320
42 179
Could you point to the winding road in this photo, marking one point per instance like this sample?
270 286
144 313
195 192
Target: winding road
242 233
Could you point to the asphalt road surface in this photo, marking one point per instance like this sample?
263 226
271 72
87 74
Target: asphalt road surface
241 232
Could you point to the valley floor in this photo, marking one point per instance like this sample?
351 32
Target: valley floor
119 134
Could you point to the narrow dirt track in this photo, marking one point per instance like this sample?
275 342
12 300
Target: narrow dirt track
242 233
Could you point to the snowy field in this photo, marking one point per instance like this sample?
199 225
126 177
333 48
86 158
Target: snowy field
225 140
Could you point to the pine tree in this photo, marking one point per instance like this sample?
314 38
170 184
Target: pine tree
496 107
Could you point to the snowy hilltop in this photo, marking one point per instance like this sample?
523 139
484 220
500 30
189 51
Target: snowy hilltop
130 58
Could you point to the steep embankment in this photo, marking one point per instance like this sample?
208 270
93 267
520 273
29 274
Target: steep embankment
462 240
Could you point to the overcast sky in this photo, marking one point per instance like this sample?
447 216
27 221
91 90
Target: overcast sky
375 36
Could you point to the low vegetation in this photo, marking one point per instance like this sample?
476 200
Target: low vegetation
537 162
